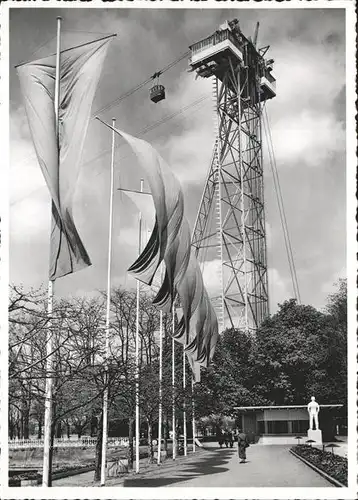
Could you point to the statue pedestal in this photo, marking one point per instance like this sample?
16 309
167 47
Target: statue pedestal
315 436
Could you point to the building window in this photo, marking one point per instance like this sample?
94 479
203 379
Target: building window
277 427
283 427
300 426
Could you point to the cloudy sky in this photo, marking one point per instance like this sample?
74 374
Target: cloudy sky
307 125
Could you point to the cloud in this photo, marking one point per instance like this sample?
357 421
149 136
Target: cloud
25 174
31 217
212 277
305 125
279 290
189 149
329 286
307 138
307 76
269 242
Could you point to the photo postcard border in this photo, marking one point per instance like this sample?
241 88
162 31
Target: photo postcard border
176 493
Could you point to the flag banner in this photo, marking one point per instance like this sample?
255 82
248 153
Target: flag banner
169 209
195 368
144 204
59 157
197 328
202 342
170 242
170 239
190 291
176 260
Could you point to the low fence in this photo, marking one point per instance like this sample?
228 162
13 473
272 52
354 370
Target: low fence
66 443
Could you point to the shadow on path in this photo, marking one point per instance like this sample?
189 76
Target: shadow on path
212 464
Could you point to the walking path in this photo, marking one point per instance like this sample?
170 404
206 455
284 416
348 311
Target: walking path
267 466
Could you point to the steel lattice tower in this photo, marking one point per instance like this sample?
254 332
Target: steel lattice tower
230 224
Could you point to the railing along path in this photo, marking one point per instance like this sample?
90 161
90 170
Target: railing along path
65 443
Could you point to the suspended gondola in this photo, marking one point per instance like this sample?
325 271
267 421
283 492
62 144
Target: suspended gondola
157 92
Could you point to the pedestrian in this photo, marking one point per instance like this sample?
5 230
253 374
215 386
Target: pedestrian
220 437
230 438
226 438
242 444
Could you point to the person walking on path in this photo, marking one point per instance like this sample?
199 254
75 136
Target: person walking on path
242 444
229 439
220 436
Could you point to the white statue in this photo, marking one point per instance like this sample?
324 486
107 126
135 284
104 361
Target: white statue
313 411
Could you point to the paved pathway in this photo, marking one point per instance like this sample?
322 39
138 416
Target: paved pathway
267 466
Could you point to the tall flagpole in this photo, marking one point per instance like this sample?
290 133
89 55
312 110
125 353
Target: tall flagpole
184 406
137 430
160 386
106 390
173 386
46 480
193 412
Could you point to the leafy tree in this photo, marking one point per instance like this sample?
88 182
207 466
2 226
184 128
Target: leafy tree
337 305
296 356
336 344
228 382
296 353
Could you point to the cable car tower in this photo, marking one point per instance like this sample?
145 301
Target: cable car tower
230 224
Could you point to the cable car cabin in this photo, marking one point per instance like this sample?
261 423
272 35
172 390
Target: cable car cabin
157 93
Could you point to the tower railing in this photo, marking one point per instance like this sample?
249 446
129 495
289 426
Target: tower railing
212 40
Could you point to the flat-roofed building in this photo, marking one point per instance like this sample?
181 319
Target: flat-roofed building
282 424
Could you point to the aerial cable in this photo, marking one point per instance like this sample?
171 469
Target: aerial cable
283 212
282 218
281 208
173 115
282 221
68 31
140 85
129 92
119 99
41 46
152 126
87 32
142 132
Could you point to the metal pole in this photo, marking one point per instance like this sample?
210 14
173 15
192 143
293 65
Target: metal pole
173 387
137 430
106 390
160 386
193 412
184 406
46 480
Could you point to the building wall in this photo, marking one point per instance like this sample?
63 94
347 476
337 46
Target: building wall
289 422
282 421
280 414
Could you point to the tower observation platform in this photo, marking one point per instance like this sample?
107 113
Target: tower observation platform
230 225
213 56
